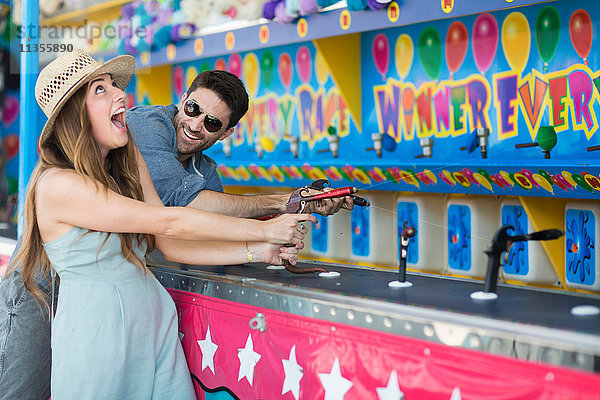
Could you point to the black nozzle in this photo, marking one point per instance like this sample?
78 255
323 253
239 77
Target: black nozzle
546 234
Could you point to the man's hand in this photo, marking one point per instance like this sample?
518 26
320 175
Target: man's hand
328 207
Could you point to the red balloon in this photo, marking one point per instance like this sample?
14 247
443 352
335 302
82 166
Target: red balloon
11 145
284 68
581 30
178 80
130 100
381 53
457 43
220 65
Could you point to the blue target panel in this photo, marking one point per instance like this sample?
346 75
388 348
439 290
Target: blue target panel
581 230
360 231
319 235
409 212
459 237
518 256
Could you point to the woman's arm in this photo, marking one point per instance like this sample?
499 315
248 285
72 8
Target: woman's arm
225 253
65 199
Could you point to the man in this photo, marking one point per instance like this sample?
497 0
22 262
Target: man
172 140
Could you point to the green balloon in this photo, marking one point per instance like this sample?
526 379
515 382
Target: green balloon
546 176
267 67
581 182
547 32
546 137
205 67
429 47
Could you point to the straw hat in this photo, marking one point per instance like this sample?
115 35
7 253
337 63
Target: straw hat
60 79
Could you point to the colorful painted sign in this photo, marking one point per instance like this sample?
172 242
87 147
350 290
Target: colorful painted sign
502 102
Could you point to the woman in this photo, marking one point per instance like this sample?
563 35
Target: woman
91 212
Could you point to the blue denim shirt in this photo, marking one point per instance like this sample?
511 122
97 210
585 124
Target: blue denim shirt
154 134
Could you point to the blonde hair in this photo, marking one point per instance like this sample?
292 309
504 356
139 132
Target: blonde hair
71 145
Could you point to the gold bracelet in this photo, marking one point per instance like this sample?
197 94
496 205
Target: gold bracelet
249 255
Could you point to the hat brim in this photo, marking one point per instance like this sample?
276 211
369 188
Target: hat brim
121 69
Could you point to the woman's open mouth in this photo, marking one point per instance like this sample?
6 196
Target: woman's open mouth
118 118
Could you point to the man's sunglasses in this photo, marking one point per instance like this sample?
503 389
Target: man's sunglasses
193 109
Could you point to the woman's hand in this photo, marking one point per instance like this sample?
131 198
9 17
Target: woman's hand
274 254
287 228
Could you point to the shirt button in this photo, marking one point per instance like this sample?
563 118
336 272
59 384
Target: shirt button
185 185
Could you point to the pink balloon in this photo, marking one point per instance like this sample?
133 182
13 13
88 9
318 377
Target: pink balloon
304 63
11 110
485 41
178 80
381 54
235 64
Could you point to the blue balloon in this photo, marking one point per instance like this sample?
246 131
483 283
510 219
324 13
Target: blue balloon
388 143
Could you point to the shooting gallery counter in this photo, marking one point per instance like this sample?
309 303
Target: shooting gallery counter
370 334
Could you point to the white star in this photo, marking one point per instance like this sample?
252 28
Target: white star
392 390
293 374
248 360
208 349
334 383
456 394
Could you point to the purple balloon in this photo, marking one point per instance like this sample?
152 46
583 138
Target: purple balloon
485 41
281 15
307 7
378 4
269 9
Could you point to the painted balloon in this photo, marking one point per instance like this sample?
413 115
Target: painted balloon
581 31
457 43
204 67
304 64
190 75
284 67
516 40
429 47
11 110
388 143
178 81
404 55
11 145
220 64
381 54
130 100
546 137
547 32
543 182
251 71
484 41
235 64
321 69
267 67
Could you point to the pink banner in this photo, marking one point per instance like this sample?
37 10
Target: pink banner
305 358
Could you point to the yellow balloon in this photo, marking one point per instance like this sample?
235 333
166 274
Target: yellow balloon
483 181
251 73
506 177
404 54
190 75
321 68
267 144
516 40
543 182
569 179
